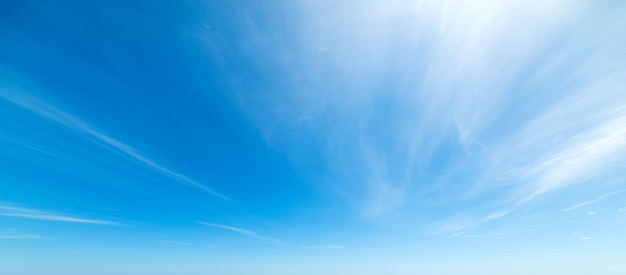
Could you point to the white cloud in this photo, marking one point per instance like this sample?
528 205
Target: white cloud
245 232
17 235
590 213
36 214
623 209
585 238
553 151
598 198
530 113
496 215
60 117
578 205
581 157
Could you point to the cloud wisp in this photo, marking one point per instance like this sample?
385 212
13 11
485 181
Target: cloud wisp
242 231
265 239
69 121
597 199
579 205
42 215
447 111
595 149
18 235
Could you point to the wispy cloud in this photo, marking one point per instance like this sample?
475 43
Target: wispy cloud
593 149
447 112
552 153
496 215
585 238
242 231
42 215
69 121
18 235
590 213
598 198
578 205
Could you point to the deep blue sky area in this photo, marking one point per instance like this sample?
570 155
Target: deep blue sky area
312 137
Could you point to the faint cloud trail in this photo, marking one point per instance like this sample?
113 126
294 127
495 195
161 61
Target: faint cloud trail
266 239
599 198
52 113
578 205
36 214
12 234
578 159
246 232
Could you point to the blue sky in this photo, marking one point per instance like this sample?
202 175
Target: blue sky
312 137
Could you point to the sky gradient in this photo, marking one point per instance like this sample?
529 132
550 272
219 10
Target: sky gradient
312 137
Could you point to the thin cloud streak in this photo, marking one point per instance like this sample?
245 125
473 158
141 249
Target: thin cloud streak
17 235
35 214
496 215
21 237
56 218
52 113
599 198
472 104
578 205
580 158
245 232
